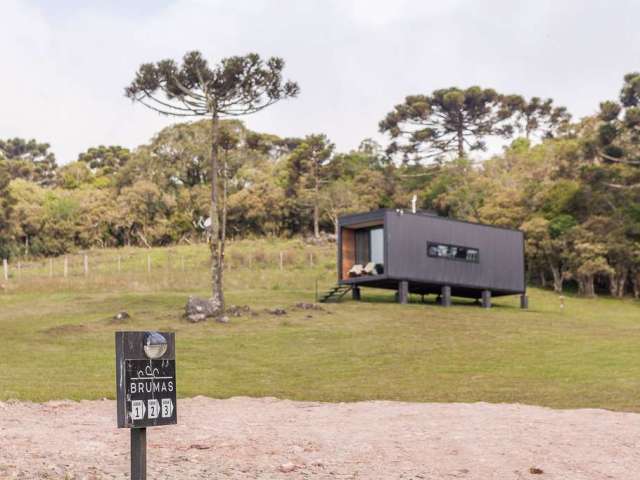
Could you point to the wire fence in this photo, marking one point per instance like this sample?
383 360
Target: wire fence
113 263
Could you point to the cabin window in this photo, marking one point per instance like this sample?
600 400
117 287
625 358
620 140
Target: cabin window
377 245
453 252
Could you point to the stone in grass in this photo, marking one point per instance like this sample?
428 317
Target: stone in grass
277 311
199 309
308 306
238 310
121 316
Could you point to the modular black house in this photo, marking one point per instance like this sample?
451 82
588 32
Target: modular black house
427 254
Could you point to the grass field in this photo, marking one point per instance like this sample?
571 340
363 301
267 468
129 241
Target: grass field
57 335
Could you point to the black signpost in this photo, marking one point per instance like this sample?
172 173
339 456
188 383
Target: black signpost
146 388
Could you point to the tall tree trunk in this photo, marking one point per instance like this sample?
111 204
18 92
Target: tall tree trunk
543 278
622 283
460 135
316 200
591 290
613 285
216 272
586 286
558 280
635 280
617 282
223 227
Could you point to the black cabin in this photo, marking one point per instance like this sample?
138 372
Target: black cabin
426 254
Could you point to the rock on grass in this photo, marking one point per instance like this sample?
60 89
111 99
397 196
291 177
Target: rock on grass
199 309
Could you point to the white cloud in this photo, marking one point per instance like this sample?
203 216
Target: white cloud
66 63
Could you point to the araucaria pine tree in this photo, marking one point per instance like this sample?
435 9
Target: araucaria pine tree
236 86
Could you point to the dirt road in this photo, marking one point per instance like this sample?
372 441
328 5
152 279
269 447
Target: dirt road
279 439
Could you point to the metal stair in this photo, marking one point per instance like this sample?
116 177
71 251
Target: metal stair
335 294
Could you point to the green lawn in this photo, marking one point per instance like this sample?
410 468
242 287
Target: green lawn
57 337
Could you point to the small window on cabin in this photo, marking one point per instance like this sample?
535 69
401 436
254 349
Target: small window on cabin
453 252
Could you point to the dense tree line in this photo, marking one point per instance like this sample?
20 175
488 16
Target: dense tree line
572 187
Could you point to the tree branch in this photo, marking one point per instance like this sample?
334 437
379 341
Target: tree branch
618 160
168 113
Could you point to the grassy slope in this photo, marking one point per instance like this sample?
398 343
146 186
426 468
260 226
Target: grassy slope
58 341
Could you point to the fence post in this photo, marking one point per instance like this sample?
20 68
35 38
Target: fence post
65 270
5 268
281 261
86 264
311 259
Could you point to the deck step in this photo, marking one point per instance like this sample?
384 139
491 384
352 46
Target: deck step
335 294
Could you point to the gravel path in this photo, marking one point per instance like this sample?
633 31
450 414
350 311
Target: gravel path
279 439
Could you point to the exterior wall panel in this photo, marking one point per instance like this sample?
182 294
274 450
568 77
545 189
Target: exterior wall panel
501 264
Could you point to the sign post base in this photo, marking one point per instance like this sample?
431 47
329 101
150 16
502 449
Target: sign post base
138 454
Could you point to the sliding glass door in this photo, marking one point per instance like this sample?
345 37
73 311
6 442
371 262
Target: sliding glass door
370 246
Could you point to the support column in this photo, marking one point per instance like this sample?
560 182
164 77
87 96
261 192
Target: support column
403 291
486 299
138 454
355 293
445 296
524 301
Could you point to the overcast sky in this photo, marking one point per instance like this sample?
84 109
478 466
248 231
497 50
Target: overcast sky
65 63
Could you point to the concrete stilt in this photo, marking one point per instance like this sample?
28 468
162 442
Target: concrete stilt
403 291
445 296
524 301
486 299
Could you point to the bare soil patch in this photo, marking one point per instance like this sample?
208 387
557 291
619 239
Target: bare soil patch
280 439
